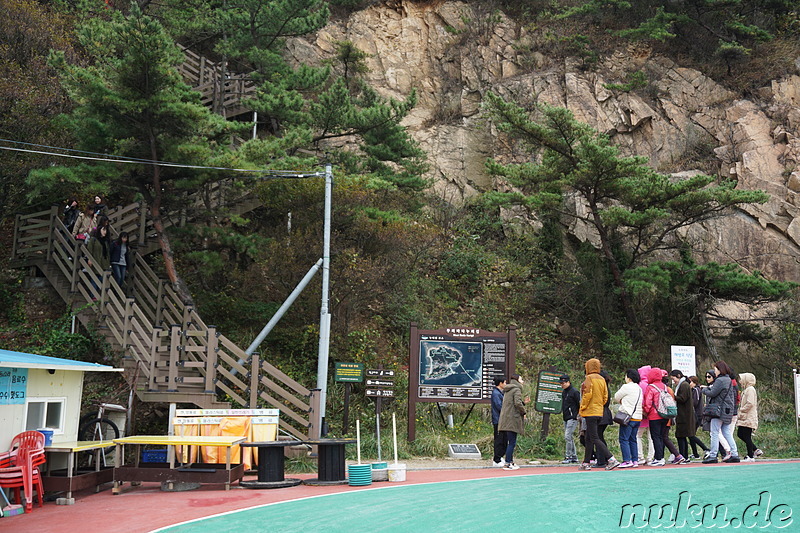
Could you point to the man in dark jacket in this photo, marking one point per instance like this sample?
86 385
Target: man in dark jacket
500 441
570 403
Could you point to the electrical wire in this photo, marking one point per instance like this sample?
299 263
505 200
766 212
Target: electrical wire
130 160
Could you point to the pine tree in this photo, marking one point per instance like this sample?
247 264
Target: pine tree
694 290
132 102
633 210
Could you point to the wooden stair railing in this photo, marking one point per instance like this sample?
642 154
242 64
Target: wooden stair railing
136 220
219 89
176 356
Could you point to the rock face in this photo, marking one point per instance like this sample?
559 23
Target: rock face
452 55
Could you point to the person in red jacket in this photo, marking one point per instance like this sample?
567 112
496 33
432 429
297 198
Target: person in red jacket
657 424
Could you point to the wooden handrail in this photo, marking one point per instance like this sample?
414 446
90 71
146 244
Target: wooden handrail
191 356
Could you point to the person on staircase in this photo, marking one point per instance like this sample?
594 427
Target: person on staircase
85 224
99 249
120 258
99 206
71 212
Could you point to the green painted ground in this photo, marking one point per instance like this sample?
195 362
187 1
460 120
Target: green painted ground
766 497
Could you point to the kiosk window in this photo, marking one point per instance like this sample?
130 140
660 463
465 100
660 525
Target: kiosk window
45 413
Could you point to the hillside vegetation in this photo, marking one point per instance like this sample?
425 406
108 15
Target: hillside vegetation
101 78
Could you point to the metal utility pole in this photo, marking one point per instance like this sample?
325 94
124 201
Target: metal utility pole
324 315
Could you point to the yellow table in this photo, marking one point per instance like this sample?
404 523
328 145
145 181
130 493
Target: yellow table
70 480
209 473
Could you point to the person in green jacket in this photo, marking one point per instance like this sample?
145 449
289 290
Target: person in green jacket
512 417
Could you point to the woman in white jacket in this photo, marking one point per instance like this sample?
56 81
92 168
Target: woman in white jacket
747 422
629 396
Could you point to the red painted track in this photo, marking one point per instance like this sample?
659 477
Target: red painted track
145 508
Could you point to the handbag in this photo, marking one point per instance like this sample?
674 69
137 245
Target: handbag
621 417
712 410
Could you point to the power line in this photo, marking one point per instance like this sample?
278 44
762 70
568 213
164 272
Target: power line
129 160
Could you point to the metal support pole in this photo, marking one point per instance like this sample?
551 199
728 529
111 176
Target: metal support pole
280 312
325 317
283 308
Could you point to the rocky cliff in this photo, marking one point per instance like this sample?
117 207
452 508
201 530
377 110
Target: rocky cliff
682 120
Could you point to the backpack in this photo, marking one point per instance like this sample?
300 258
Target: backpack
665 406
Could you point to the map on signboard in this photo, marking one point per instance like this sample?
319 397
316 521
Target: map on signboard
450 363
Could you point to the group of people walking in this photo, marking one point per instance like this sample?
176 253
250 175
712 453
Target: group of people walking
92 227
649 404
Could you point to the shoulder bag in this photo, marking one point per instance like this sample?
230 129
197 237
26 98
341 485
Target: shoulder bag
621 417
714 410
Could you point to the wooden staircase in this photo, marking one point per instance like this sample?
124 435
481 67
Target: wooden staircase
168 352
221 90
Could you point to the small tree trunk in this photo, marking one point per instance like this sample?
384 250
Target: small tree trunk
616 272
707 337
178 285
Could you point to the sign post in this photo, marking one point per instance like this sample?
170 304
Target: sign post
380 384
348 373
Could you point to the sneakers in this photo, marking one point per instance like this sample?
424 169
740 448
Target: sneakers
687 461
758 453
731 459
584 466
710 459
627 464
749 460
501 464
657 462
510 466
612 464
593 462
692 456
677 460
569 460
707 454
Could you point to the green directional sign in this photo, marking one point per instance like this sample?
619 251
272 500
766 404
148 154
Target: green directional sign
349 373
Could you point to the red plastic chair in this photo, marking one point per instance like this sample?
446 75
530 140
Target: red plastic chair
29 440
24 476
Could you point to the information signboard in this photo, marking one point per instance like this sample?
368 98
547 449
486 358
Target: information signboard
456 365
13 385
548 392
683 359
349 373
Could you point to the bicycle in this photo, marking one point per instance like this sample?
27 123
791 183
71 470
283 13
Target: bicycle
96 427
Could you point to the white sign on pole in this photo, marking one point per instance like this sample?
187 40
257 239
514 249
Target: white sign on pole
796 394
683 359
